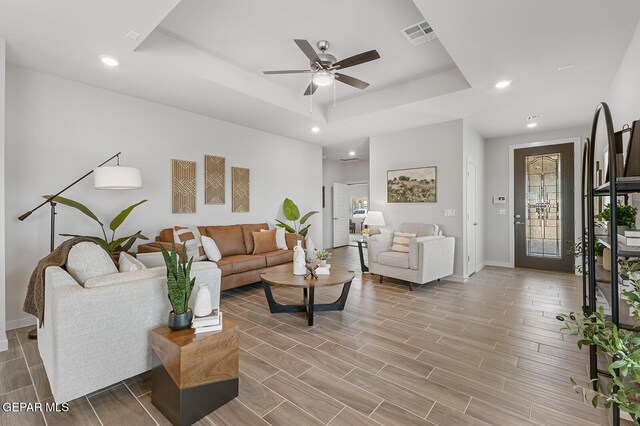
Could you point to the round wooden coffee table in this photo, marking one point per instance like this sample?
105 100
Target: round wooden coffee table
283 275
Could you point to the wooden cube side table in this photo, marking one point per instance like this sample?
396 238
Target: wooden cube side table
193 374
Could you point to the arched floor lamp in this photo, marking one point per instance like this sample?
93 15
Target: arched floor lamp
109 177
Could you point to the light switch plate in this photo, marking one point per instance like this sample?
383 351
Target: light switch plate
449 212
502 211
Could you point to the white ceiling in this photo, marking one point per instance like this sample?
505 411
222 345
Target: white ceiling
258 36
213 68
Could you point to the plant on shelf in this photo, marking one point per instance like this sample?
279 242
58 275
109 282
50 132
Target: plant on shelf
577 249
625 215
113 244
292 213
179 285
620 346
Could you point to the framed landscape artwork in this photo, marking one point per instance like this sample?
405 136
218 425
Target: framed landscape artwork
417 185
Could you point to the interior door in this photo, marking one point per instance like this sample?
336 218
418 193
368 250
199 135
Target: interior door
543 202
340 214
472 223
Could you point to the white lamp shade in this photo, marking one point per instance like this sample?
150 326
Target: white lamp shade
374 218
117 177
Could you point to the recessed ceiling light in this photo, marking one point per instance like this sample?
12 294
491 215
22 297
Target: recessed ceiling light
315 129
352 153
566 67
532 125
502 84
109 61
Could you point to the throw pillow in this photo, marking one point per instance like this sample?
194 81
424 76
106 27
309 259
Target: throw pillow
281 241
190 237
127 263
264 242
87 260
211 249
401 241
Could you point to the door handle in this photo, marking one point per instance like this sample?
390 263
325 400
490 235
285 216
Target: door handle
519 223
475 224
335 218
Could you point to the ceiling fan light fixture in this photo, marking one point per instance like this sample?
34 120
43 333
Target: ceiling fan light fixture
322 78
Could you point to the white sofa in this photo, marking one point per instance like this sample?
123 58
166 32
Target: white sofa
95 336
430 255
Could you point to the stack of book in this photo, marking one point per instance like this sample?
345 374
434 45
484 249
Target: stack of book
212 322
630 238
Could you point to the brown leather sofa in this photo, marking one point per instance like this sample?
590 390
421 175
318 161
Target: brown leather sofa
238 265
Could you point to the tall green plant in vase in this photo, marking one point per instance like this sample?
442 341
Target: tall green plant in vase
292 213
179 285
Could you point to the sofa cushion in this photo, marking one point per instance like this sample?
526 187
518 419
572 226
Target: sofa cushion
225 266
264 241
281 240
166 235
394 258
211 249
401 241
127 263
420 229
87 260
278 257
192 239
247 230
246 262
228 238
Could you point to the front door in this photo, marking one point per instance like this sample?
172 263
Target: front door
543 203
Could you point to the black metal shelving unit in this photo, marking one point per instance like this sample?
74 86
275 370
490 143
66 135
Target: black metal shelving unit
593 275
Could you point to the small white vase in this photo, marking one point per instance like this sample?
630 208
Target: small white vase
299 260
202 306
323 263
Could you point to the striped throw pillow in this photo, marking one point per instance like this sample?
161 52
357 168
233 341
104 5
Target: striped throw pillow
192 240
401 241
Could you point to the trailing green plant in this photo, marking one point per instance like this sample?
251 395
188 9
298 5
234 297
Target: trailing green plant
292 213
111 244
179 282
621 346
322 255
625 214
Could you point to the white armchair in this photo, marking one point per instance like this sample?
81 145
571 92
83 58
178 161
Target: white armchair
430 255
97 335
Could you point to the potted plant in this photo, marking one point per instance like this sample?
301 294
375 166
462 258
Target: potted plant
292 213
323 256
625 216
113 245
620 347
180 285
577 249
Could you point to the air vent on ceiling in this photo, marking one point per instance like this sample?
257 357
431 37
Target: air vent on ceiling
348 160
534 117
419 33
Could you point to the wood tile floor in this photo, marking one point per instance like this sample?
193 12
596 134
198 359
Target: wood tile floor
484 352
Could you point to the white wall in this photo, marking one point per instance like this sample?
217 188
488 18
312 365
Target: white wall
58 129
436 145
3 335
497 239
473 147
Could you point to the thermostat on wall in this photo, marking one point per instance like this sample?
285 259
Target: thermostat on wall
499 199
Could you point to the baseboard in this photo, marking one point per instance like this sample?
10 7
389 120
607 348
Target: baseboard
481 267
21 322
456 278
4 345
498 264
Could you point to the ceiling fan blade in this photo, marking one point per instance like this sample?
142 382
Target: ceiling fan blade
311 89
286 72
351 81
358 59
308 50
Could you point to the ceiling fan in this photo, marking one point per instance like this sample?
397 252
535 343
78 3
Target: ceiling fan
324 67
